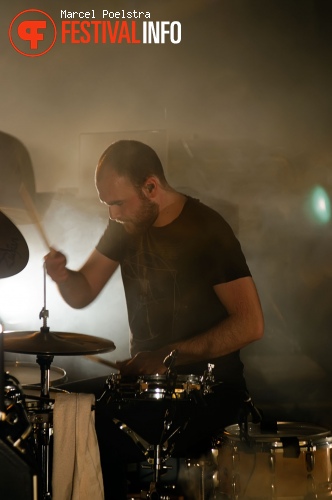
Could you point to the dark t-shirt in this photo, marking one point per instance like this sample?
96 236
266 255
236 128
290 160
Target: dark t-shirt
168 275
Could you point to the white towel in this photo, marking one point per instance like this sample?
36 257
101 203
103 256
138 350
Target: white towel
76 473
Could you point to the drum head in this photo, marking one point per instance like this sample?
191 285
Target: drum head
29 373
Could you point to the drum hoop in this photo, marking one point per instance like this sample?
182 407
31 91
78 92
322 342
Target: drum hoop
154 387
322 435
10 367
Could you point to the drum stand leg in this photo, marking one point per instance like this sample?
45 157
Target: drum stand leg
205 468
157 464
45 431
153 493
43 456
160 454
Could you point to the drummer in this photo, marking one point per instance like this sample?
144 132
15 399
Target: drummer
187 284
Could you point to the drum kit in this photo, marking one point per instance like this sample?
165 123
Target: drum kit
250 459
45 344
26 408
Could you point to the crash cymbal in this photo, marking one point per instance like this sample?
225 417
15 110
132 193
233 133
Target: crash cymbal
14 252
45 342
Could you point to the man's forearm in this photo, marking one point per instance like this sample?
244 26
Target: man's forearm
221 340
226 337
75 290
244 324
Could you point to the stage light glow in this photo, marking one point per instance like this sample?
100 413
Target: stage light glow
319 205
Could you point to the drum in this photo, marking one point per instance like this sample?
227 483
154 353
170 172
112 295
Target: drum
154 387
288 460
29 373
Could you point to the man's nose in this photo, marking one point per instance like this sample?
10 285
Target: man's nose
114 212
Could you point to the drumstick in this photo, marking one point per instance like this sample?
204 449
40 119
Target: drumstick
102 361
31 209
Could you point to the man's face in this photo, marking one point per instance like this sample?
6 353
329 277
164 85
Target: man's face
126 204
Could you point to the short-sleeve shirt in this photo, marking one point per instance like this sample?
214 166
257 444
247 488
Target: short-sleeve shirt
168 275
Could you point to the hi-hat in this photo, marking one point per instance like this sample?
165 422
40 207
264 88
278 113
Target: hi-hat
14 252
45 342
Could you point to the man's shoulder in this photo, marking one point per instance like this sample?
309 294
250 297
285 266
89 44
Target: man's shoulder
201 211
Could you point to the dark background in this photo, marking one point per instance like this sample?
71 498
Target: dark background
240 113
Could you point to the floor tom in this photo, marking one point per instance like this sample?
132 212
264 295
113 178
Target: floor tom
289 460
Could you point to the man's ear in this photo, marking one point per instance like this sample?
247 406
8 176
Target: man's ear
150 186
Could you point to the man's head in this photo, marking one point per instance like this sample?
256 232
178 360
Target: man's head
128 176
132 159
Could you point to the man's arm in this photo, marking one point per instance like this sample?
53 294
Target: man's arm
244 325
80 288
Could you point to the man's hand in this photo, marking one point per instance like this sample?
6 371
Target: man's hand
56 266
144 363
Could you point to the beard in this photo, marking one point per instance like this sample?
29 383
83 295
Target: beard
144 218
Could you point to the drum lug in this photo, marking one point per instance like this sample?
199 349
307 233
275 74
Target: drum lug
236 486
272 461
272 466
208 379
310 459
311 488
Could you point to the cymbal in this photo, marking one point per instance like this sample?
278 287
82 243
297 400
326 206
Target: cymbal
44 342
14 252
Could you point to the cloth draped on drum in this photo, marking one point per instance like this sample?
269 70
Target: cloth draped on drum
76 471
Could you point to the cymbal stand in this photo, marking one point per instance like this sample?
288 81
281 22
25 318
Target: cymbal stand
45 360
2 378
44 428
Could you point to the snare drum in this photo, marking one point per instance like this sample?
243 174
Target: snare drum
293 460
29 373
154 387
